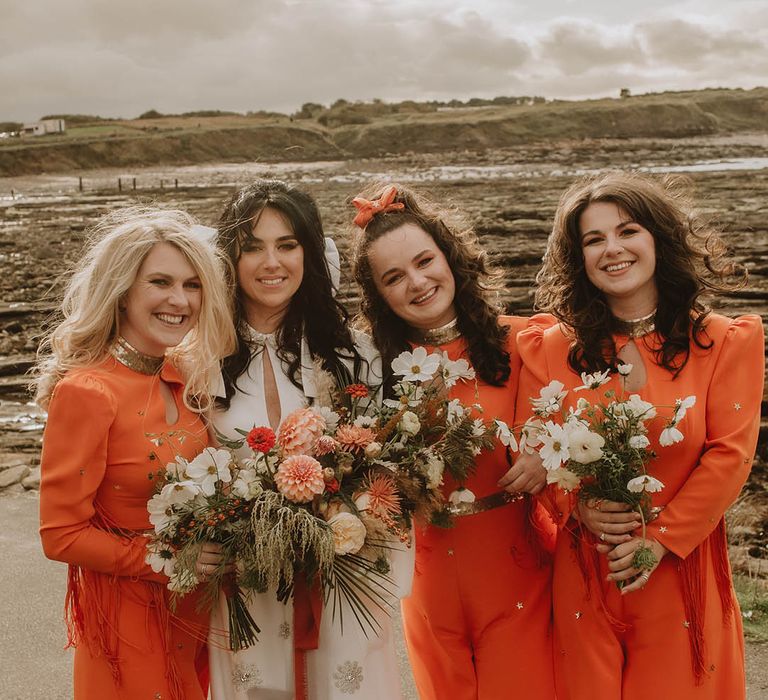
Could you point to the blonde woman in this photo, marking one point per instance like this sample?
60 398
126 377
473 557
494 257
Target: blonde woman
124 379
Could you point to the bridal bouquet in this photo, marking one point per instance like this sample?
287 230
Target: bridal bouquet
339 484
600 449
327 497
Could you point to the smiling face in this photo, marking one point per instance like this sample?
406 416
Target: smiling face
163 303
269 270
413 276
619 259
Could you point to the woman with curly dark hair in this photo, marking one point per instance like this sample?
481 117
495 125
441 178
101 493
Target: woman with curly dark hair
478 620
289 326
626 267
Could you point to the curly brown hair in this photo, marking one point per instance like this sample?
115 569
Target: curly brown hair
477 283
690 261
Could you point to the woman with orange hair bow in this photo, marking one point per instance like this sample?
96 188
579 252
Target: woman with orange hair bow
626 265
478 621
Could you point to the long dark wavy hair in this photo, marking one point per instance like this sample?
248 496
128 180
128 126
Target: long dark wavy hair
313 311
690 261
477 284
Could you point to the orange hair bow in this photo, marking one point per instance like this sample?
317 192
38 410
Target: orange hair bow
367 208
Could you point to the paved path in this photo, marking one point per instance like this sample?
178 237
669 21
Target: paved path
33 662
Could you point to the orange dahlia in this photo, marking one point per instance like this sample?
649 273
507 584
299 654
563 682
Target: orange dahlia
300 431
300 478
353 438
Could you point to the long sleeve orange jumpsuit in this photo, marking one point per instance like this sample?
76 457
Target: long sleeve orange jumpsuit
680 636
105 438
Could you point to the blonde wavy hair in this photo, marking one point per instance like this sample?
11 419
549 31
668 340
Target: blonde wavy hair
90 317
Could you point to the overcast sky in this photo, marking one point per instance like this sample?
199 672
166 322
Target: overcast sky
123 57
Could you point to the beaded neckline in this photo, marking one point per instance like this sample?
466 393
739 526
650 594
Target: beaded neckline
134 359
436 336
636 327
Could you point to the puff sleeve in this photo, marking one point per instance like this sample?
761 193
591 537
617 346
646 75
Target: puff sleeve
732 425
73 463
534 375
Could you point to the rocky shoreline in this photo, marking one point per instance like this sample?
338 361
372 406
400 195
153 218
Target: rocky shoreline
509 195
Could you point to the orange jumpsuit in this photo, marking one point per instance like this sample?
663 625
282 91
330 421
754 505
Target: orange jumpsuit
680 636
478 622
106 436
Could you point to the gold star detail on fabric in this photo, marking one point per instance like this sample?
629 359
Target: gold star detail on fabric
578 614
663 529
686 624
519 605
737 407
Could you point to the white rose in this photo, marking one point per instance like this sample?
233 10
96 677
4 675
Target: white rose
373 450
348 533
409 423
585 446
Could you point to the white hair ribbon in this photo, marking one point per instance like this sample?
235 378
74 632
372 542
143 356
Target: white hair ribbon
333 260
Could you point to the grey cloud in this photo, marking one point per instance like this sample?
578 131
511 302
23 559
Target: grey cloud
576 46
688 44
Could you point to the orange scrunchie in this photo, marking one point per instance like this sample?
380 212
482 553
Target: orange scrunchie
367 208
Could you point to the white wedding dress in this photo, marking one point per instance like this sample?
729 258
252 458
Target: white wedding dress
345 665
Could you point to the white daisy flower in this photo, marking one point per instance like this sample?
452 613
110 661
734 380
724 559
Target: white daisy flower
416 366
210 466
554 446
550 398
584 446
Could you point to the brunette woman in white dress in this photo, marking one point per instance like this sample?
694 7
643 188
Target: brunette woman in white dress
288 321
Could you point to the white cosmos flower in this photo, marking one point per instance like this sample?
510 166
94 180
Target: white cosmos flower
180 491
644 483
682 405
529 435
177 469
639 442
585 446
160 557
455 411
564 478
625 369
247 485
454 370
550 398
594 381
554 446
669 436
416 366
210 466
635 406
160 512
505 435
407 394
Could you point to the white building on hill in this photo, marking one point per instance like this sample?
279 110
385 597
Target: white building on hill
45 126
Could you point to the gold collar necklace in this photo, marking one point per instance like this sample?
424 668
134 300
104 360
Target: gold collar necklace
134 359
636 327
436 336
